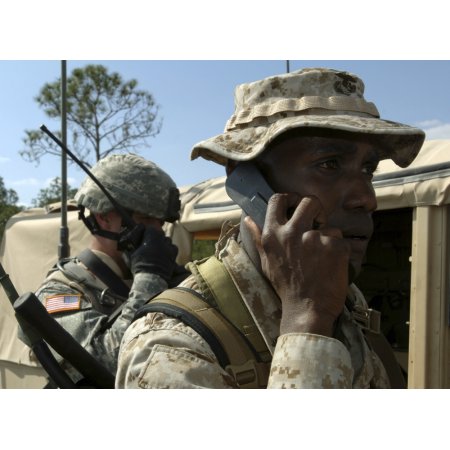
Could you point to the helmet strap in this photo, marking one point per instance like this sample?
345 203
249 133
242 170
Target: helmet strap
93 226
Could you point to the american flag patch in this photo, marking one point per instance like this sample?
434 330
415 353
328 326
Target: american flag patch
58 303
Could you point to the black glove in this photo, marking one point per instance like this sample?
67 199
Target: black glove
156 254
179 274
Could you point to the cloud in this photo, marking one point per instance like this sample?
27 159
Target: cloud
26 182
3 159
36 183
435 129
24 205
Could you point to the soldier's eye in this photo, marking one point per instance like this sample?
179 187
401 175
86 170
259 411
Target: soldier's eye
329 164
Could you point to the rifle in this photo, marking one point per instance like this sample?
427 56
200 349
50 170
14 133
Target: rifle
40 329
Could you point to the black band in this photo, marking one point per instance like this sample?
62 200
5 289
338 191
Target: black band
91 224
105 273
191 321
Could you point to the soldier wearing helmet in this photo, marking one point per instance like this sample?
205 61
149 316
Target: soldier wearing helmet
94 295
316 142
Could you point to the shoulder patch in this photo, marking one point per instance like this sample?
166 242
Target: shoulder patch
62 302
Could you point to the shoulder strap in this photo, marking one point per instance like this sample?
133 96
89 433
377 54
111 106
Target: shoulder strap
382 348
104 273
229 302
74 276
231 349
369 322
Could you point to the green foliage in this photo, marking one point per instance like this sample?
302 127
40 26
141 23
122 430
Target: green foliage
202 248
8 205
104 114
52 194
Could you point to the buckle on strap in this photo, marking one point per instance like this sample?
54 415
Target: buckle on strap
250 375
367 319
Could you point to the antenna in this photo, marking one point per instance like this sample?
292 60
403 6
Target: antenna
63 247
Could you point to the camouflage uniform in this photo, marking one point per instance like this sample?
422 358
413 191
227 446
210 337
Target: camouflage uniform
73 294
162 352
86 323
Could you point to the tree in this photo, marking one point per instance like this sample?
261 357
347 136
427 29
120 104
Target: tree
8 205
104 114
52 194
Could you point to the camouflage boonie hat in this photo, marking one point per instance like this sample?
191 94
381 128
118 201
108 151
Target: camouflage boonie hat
135 183
323 98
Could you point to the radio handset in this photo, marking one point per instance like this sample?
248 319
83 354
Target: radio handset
247 187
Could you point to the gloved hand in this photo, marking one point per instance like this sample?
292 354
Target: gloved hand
179 274
156 254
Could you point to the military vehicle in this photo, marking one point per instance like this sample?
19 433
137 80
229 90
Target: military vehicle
405 275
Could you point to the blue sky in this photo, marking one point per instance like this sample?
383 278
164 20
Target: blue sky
191 55
196 99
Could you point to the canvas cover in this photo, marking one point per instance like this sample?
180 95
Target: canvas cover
30 243
28 250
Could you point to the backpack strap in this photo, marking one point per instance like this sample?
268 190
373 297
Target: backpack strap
233 352
104 273
369 322
87 282
382 348
221 287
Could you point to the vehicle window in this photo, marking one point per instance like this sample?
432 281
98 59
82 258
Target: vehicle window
203 244
386 276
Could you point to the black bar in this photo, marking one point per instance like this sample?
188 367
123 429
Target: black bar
29 308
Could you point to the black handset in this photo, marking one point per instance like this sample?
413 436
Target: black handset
247 187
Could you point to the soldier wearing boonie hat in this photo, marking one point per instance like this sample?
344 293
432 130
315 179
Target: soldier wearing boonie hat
310 98
317 142
94 295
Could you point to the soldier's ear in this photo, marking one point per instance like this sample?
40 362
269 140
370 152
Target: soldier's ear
102 219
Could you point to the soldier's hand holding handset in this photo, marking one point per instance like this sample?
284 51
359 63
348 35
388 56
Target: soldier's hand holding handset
156 254
305 261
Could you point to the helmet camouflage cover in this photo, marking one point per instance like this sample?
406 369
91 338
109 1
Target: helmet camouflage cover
136 184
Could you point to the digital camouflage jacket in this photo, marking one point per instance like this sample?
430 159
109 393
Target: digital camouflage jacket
159 351
82 304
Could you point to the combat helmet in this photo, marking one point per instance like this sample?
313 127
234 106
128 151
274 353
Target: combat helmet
136 184
308 98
